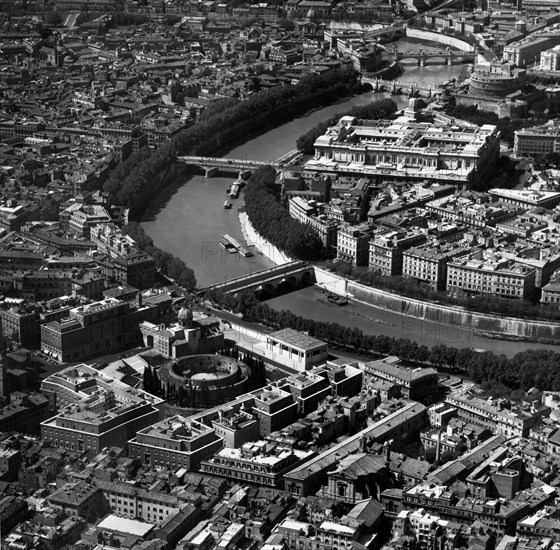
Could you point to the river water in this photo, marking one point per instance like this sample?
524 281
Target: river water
189 221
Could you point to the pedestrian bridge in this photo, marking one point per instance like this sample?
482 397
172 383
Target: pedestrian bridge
294 274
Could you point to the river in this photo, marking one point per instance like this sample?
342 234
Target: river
190 221
311 303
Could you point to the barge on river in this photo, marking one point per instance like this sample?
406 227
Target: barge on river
232 245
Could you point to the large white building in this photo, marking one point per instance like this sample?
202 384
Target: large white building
295 349
528 50
538 140
550 59
409 151
490 274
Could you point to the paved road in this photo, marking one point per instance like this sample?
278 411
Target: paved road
252 335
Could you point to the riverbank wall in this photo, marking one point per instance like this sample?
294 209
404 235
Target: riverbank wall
415 311
262 245
388 73
492 326
439 38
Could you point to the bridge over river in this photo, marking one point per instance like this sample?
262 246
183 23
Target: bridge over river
213 165
398 87
268 280
449 57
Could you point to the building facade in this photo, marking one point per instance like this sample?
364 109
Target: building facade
539 140
493 275
94 410
408 149
173 443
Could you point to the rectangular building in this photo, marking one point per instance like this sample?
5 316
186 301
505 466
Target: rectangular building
550 59
295 349
175 442
260 463
386 250
306 212
353 244
410 150
106 326
493 275
417 384
428 263
528 50
95 410
539 140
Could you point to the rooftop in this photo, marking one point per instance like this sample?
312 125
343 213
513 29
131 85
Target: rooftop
126 526
296 339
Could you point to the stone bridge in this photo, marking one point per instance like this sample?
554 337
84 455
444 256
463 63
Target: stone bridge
386 34
398 87
449 57
294 274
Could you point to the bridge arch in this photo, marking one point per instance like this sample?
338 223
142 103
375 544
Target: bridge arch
307 278
268 288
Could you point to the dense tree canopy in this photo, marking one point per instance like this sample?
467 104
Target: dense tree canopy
273 222
471 113
508 376
173 267
135 179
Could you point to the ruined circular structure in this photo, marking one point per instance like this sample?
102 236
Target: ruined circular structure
206 380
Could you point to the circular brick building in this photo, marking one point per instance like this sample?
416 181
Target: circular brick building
206 380
496 80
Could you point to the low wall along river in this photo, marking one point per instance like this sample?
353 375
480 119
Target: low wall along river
190 221
493 326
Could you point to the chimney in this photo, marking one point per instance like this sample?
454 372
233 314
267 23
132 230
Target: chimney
438 446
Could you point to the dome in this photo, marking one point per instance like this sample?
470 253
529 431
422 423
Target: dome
185 314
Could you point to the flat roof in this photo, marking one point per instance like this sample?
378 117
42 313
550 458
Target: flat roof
296 339
128 526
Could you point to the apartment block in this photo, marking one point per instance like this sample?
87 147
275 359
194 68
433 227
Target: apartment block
307 213
353 244
259 462
94 410
386 250
175 442
275 409
490 274
418 384
511 422
539 140
428 263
